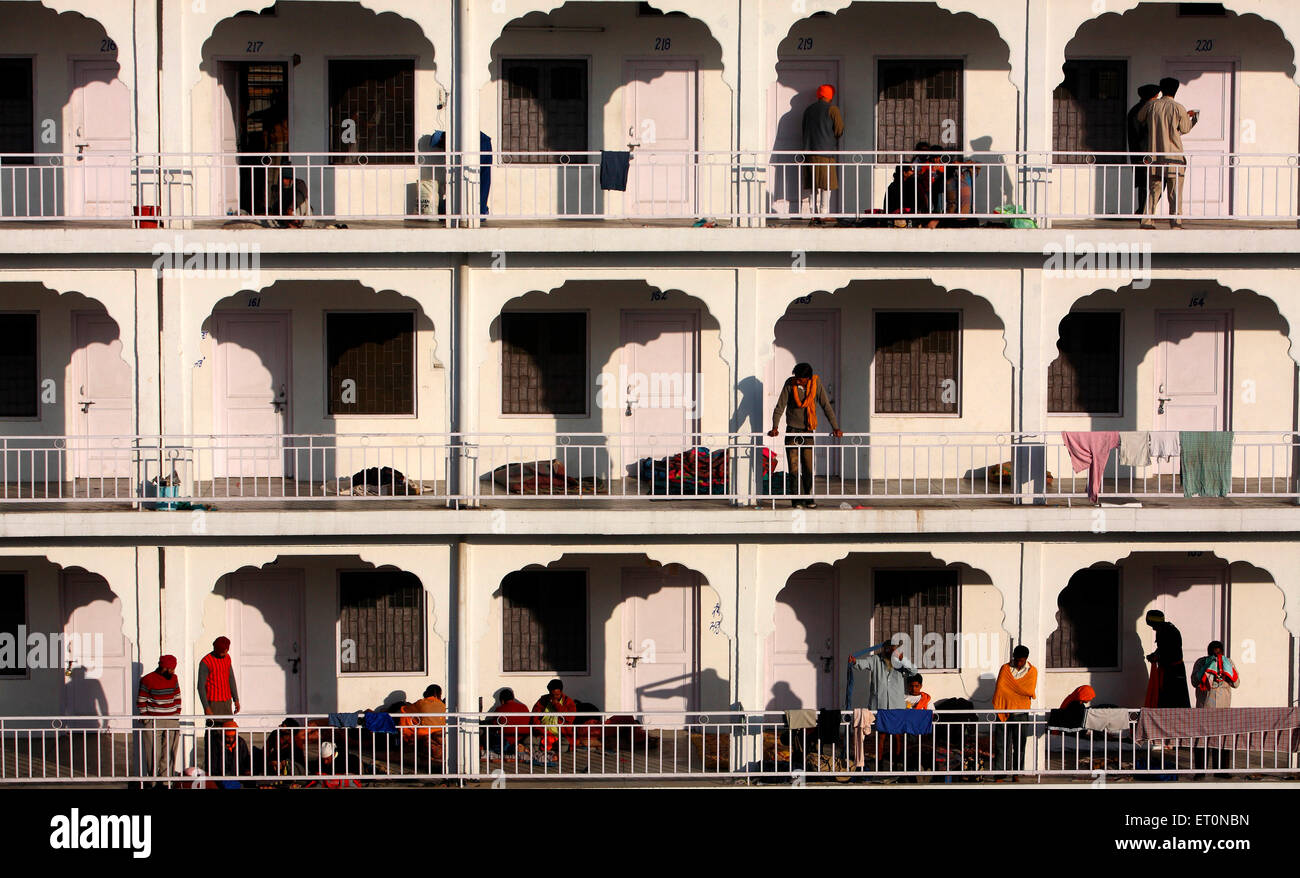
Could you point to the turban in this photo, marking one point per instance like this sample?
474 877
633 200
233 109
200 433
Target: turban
1154 616
168 662
221 643
826 92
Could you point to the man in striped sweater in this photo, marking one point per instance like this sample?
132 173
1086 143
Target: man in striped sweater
159 705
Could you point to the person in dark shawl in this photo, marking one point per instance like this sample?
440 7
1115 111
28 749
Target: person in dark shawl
1168 686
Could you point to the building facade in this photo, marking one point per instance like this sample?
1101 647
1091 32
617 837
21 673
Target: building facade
322 330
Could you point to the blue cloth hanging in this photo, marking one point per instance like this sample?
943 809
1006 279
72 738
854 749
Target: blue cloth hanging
904 722
614 166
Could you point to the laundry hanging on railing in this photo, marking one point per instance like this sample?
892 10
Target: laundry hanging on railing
1134 448
904 722
1206 461
1090 450
848 683
695 471
614 166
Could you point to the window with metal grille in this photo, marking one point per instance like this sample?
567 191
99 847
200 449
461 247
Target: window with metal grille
918 599
917 357
1087 622
382 613
17 119
544 363
1090 110
13 613
18 366
371 363
378 97
919 101
1086 374
543 108
544 627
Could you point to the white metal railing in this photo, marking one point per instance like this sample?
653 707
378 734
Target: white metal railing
873 188
961 745
171 472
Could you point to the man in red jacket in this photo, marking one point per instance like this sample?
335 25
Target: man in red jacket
509 721
217 690
159 705
556 711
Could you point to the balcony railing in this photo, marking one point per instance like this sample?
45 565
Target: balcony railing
961 746
181 472
874 189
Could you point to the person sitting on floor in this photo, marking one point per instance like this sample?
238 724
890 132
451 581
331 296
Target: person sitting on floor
915 698
555 711
233 759
508 723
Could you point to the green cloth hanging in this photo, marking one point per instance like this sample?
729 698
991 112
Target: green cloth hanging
1206 463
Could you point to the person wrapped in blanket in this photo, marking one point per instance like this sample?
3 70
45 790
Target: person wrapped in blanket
554 715
508 723
800 396
1214 676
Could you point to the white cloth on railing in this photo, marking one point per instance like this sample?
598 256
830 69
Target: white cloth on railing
1106 719
1135 448
1166 445
863 720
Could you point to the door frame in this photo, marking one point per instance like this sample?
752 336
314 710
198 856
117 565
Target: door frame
1234 103
627 677
218 360
299 576
129 645
770 665
697 124
70 126
219 195
626 317
1159 370
1224 582
772 121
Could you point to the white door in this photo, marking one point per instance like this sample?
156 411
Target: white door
794 91
99 182
801 656
660 625
660 414
94 684
226 186
1194 600
251 393
1191 370
1207 86
660 115
264 623
104 413
812 337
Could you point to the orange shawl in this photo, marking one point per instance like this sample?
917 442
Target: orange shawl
809 401
1013 694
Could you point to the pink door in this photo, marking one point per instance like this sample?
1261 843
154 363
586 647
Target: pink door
795 89
660 114
813 337
264 623
104 416
1191 370
99 181
1194 599
1207 86
801 667
660 413
251 394
660 625
95 684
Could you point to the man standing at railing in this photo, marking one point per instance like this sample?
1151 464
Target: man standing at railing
799 398
823 126
217 690
1166 122
1017 687
159 705
1138 145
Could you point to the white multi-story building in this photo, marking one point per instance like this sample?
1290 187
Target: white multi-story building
333 404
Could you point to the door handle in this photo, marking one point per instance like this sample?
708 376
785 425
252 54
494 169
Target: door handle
86 404
295 662
1162 400
826 663
633 661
